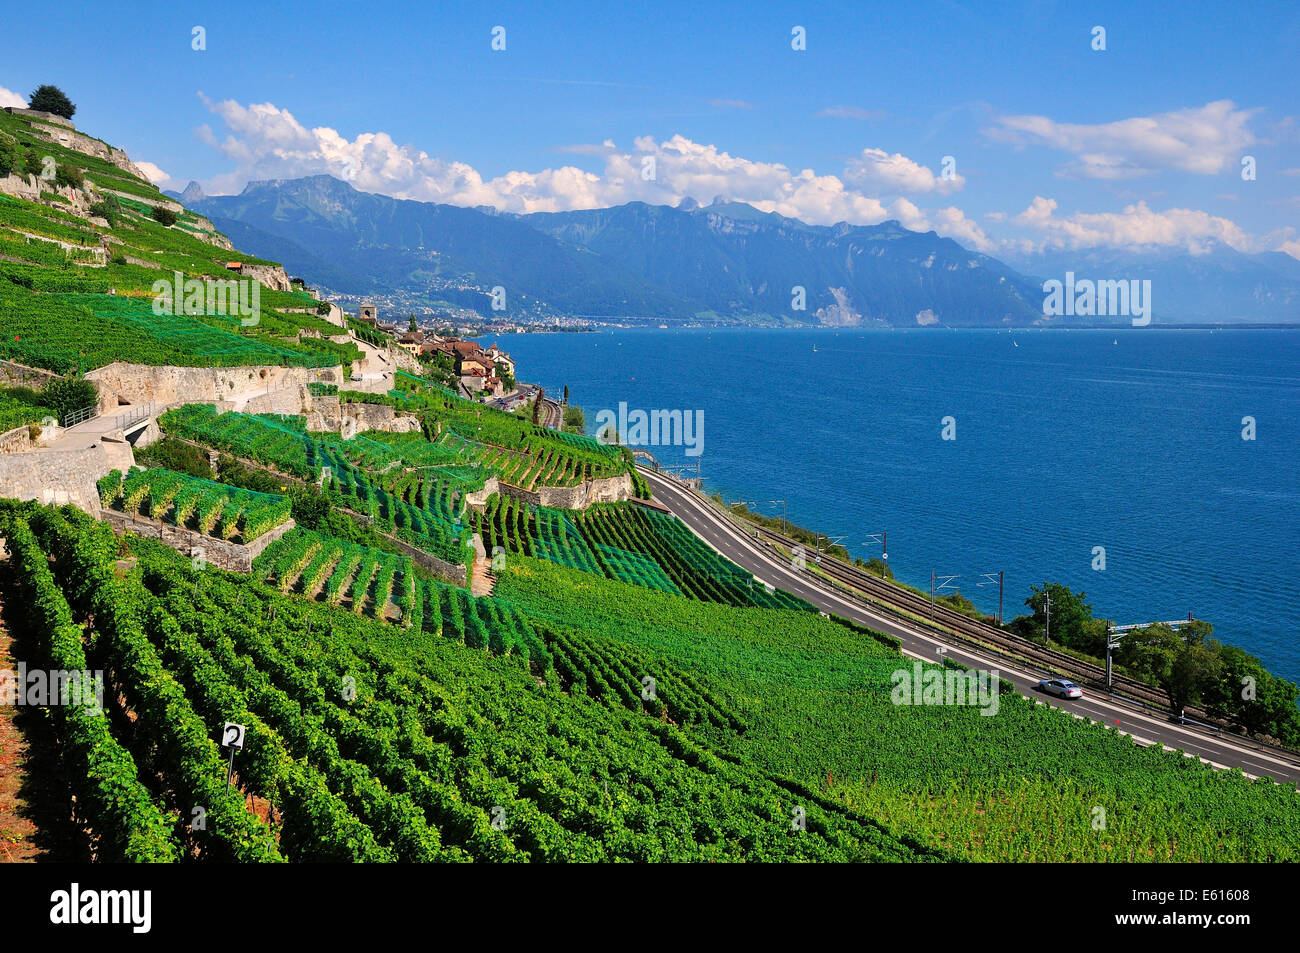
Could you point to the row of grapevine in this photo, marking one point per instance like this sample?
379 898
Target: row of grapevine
694 567
179 740
323 568
624 675
127 823
558 539
213 509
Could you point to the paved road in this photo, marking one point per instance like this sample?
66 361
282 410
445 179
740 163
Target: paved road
1145 726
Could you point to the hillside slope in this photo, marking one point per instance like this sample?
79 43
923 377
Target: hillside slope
85 244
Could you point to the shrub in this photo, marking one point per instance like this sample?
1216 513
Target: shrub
65 174
164 216
109 208
12 159
68 394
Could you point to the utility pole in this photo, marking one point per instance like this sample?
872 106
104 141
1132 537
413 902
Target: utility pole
1047 610
883 540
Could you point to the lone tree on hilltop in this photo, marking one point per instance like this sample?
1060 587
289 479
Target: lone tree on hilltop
51 99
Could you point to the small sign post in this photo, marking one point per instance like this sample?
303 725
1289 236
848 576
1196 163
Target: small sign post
232 737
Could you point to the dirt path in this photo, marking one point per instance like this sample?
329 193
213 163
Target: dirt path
34 820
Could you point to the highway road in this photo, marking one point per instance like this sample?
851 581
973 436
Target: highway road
1144 725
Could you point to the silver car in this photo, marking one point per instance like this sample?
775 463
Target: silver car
1060 687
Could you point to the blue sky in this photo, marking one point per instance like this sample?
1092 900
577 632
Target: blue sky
1053 143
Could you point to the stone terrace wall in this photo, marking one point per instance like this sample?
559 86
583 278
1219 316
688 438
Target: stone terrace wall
12 373
142 384
217 552
606 490
18 440
272 276
329 413
63 476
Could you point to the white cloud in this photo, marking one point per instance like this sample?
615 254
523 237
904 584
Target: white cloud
155 175
1136 225
731 103
1203 141
9 98
897 174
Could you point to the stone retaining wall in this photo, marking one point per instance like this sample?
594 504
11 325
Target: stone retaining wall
18 440
217 552
121 383
329 414
605 490
63 476
451 572
15 374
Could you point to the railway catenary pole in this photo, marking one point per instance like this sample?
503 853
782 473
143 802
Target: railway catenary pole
988 577
1047 611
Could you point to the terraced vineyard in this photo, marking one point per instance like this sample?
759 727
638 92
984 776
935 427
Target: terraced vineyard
630 543
213 509
77 293
363 744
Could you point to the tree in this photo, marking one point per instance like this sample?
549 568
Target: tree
1070 617
412 325
309 507
51 99
566 393
1186 665
164 216
65 174
108 208
1248 695
575 421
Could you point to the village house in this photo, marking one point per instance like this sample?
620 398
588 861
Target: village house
499 356
411 342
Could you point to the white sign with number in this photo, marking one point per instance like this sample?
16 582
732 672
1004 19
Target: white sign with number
232 735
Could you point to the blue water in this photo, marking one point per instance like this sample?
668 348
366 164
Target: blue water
1130 440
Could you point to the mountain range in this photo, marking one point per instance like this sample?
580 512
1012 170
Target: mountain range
726 262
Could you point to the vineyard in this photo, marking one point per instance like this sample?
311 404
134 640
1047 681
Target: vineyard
213 509
814 699
364 745
626 542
